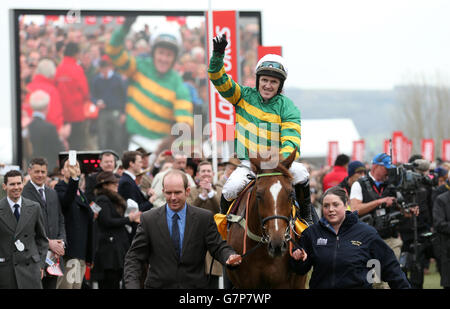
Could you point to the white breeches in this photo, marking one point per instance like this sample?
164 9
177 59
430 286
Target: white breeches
238 179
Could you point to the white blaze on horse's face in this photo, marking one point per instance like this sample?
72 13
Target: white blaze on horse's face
275 190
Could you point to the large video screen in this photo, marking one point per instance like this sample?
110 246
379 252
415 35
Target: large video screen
95 80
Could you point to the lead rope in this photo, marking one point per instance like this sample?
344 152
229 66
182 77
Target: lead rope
291 233
246 224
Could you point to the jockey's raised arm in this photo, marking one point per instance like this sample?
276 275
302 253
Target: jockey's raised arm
265 118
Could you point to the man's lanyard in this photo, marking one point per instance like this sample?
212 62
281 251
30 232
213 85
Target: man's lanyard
376 190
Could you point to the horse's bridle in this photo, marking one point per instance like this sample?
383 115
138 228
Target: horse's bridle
289 220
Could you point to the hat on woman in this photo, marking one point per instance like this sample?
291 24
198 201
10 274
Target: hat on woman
105 178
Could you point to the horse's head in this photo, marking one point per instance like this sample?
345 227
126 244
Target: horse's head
273 195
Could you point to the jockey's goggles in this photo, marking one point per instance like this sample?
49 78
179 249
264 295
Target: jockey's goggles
272 66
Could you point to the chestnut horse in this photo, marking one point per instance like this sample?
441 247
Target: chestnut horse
266 209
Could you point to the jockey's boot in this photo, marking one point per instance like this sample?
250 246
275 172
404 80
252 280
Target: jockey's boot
303 196
224 205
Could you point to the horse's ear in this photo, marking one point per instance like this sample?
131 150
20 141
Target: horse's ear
255 160
288 161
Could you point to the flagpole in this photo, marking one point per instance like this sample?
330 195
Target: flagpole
212 97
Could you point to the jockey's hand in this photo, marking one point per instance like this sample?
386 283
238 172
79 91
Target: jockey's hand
219 44
299 254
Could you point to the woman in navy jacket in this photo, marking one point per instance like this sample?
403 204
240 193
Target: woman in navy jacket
343 251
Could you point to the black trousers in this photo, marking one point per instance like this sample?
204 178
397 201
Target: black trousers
49 282
111 279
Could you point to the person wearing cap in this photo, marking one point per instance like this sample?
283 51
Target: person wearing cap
112 236
355 170
157 97
359 197
109 94
441 174
265 119
444 186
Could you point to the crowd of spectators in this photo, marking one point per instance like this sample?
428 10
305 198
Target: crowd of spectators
42 49
45 39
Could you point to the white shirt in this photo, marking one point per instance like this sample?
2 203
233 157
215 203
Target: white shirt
209 196
11 204
356 190
130 174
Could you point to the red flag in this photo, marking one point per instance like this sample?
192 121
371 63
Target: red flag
405 156
181 20
264 50
333 151
90 20
107 19
358 150
428 149
224 22
397 147
51 18
120 20
445 150
386 146
408 149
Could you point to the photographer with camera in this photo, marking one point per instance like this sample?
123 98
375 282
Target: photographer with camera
376 202
415 231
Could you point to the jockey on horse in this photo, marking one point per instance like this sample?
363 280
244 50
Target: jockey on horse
263 117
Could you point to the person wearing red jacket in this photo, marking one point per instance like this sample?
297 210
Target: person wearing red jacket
73 88
44 80
338 173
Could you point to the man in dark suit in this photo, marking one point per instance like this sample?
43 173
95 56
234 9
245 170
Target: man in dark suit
23 243
128 188
39 127
37 191
174 239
